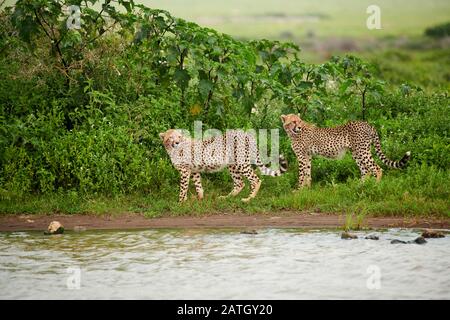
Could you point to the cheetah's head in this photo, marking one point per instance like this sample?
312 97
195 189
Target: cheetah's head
171 138
291 123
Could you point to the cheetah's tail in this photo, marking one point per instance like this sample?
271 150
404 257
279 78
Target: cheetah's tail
274 173
384 159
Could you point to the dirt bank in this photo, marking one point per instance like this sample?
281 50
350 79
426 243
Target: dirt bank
277 220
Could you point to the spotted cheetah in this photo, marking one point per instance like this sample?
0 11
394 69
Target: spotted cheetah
357 136
235 149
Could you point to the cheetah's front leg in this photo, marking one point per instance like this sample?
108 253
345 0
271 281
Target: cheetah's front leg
304 171
184 184
198 185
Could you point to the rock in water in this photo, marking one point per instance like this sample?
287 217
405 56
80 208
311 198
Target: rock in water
372 237
396 241
54 228
432 234
348 236
419 240
252 231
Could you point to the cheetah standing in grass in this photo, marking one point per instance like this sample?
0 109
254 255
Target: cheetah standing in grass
235 149
358 136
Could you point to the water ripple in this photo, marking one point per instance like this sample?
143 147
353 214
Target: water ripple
221 264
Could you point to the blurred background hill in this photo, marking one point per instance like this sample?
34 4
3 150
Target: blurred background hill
322 28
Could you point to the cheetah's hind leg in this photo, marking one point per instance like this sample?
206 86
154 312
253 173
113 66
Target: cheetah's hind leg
255 182
238 182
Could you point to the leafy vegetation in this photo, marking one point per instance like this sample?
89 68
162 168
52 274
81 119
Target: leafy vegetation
439 31
82 109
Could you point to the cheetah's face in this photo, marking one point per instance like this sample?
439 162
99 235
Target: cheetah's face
171 138
291 123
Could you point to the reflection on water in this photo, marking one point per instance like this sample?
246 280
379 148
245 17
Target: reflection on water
222 264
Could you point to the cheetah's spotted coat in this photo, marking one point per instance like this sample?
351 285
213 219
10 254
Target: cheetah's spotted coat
235 149
357 136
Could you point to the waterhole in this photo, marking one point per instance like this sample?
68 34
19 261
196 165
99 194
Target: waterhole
222 264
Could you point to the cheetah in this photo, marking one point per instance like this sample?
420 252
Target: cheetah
308 140
235 149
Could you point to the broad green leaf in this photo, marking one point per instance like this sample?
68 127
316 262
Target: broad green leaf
182 78
345 85
204 87
305 85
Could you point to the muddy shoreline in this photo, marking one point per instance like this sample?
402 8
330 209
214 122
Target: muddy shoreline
31 222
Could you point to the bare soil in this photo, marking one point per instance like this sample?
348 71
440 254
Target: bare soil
277 220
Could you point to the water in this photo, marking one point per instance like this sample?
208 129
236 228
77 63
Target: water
222 264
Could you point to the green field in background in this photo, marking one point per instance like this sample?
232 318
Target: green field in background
300 19
326 18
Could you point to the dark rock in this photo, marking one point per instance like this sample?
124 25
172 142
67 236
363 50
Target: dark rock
396 241
432 234
54 227
249 232
419 240
348 236
372 237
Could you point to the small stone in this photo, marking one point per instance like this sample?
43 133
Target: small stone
396 241
432 234
54 227
372 237
249 232
420 240
348 236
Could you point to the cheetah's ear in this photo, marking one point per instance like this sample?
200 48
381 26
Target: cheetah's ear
283 118
161 135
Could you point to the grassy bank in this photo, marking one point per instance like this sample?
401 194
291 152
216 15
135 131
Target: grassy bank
420 192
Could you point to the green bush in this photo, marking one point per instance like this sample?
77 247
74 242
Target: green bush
439 31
